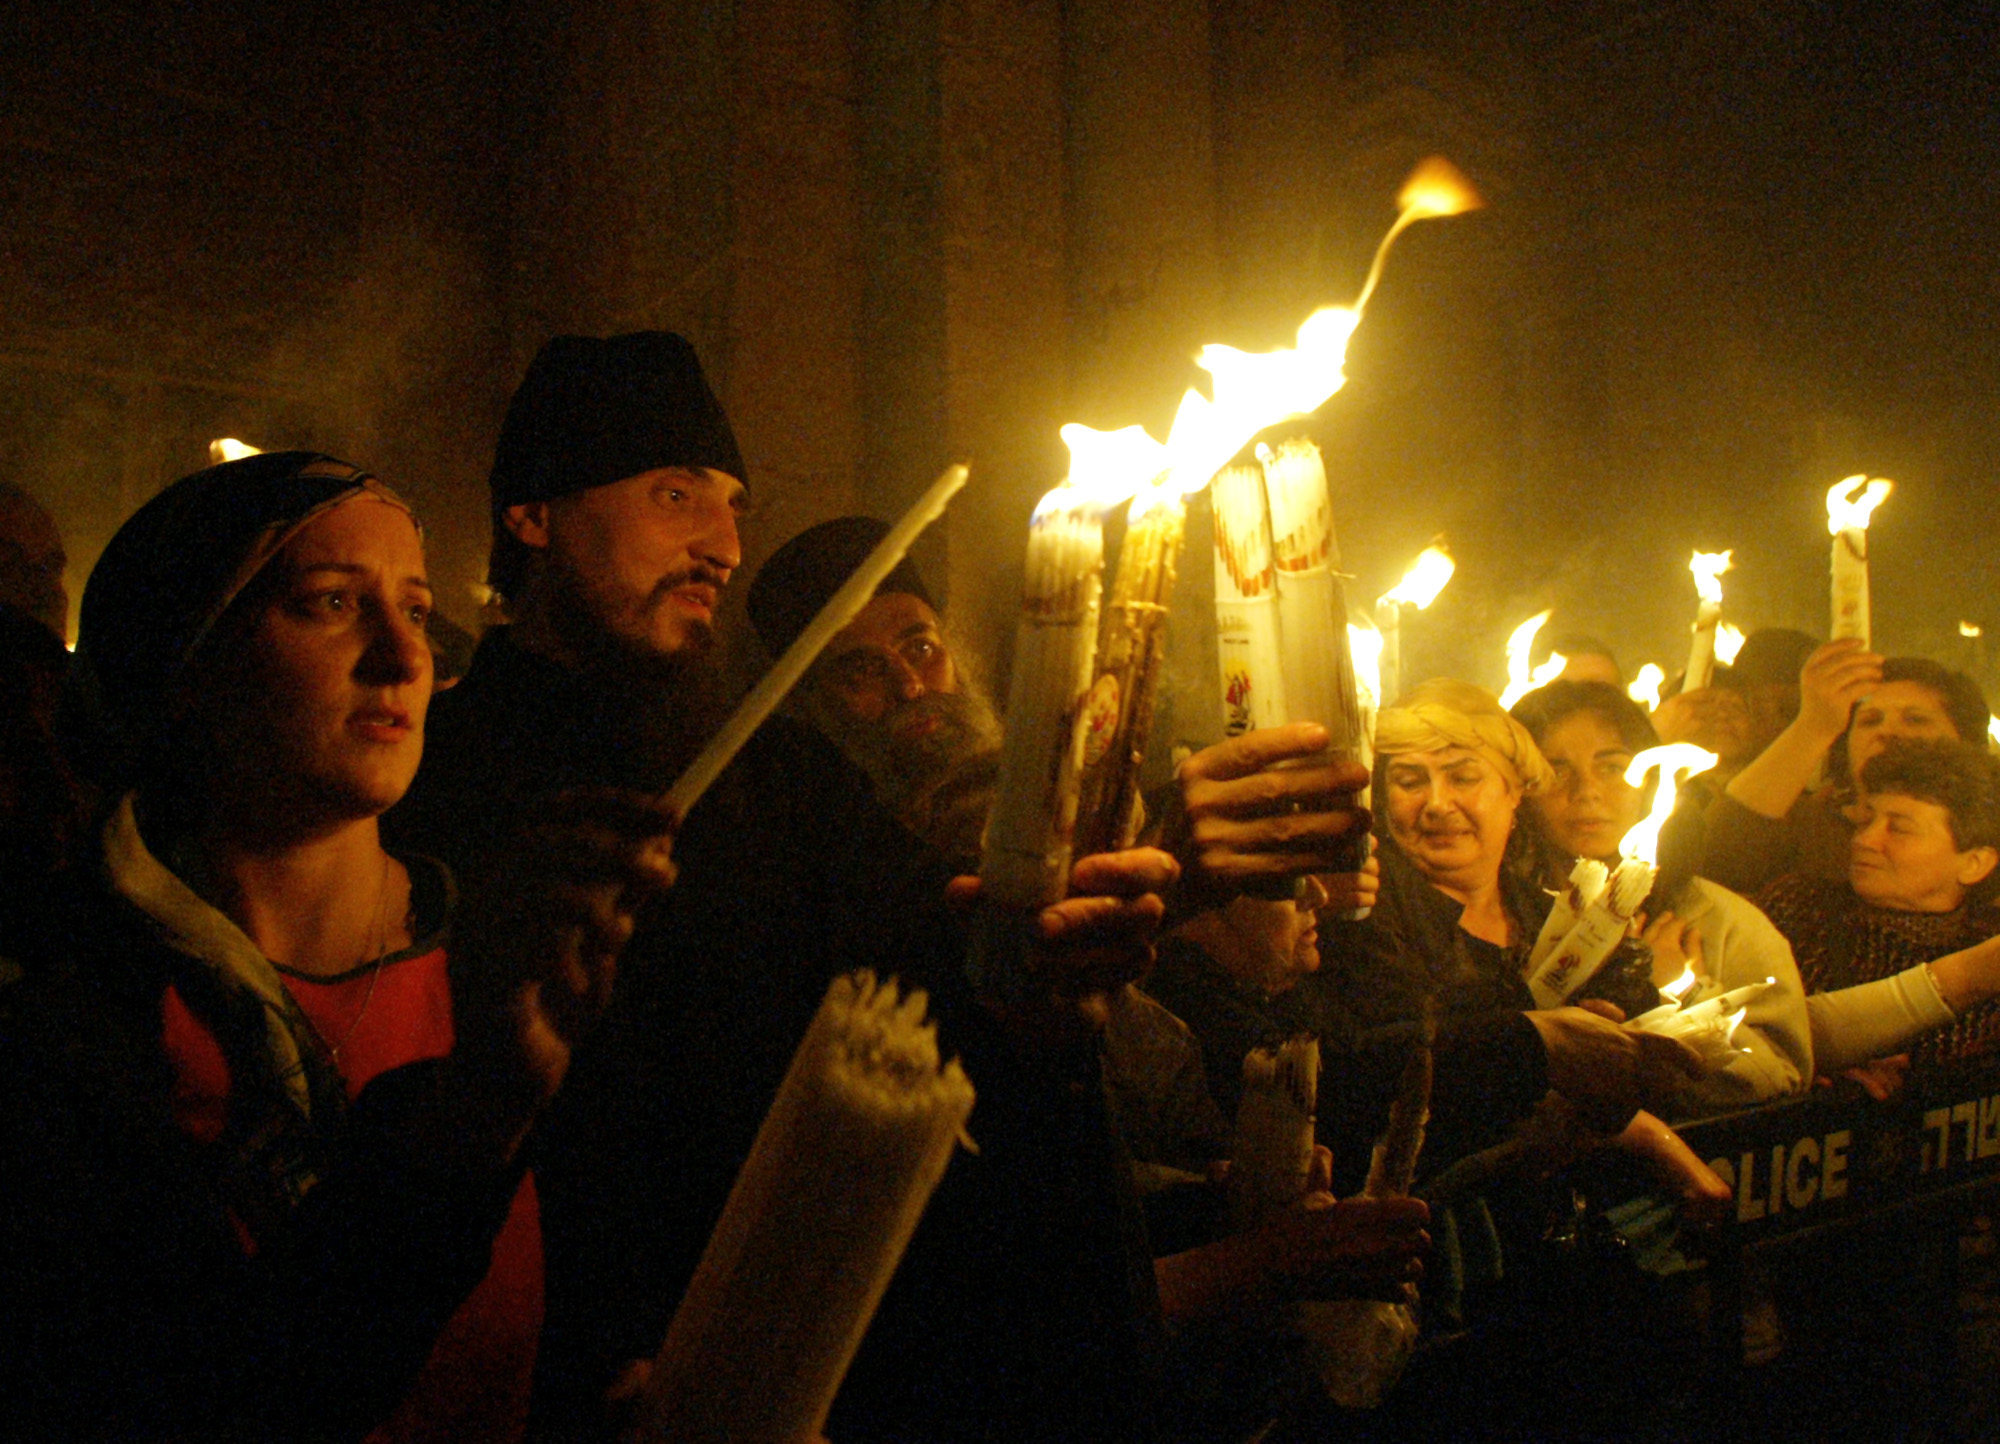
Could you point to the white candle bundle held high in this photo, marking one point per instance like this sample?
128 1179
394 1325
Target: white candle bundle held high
1118 710
1707 568
1024 863
1849 504
849 1154
1246 603
1320 684
841 608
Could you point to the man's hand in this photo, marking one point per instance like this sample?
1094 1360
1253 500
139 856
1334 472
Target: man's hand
1353 892
1325 1248
1609 1071
536 940
1248 818
1100 937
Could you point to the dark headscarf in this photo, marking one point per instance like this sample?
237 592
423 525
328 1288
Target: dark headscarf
165 580
804 573
591 411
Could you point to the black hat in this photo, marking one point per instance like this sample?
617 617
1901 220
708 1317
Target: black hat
1771 656
590 412
804 573
166 578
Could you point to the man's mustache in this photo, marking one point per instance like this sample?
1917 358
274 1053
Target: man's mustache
708 576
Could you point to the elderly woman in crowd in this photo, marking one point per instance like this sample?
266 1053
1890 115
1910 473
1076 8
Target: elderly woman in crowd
1589 733
1772 819
1908 947
262 1134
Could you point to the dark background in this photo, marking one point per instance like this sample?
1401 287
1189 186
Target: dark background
1733 252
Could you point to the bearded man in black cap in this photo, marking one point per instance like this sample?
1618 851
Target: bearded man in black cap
891 689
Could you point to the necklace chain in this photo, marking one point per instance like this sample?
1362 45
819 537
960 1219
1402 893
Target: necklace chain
373 959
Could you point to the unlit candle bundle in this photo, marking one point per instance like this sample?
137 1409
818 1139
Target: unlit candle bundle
847 1157
1246 603
1575 960
1271 1158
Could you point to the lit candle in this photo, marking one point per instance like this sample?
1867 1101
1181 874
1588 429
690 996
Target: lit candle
1645 688
1608 918
1587 881
1312 604
1024 861
1418 588
868 1113
1707 568
1522 678
1118 710
841 608
1849 504
228 448
1246 603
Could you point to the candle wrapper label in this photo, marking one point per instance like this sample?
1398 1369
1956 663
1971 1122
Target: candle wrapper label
1850 584
1576 959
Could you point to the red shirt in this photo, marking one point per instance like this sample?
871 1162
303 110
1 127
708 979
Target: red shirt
475 1384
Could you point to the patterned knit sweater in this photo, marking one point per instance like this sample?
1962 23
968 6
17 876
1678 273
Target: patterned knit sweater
1840 941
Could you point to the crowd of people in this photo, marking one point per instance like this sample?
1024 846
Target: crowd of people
376 1057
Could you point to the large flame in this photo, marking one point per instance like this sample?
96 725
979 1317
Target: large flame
1969 629
1108 466
1364 644
228 448
1435 188
1728 642
1643 841
1425 578
1522 678
1845 511
1708 568
1645 688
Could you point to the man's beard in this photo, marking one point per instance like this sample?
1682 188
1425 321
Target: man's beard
939 784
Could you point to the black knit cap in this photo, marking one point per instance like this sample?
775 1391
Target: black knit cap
804 573
165 579
593 411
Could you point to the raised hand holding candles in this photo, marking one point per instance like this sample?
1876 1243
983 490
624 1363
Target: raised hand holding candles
1605 919
1024 863
1707 568
1849 504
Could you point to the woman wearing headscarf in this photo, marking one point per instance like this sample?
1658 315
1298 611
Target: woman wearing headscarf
1589 733
263 1131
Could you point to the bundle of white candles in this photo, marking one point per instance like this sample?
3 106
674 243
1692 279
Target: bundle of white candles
1595 912
1707 568
1246 603
1707 1025
849 1154
1025 859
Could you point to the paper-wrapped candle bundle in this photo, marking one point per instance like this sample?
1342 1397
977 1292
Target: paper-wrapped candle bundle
1271 1157
1849 504
1707 568
1117 717
854 1144
1024 862
1605 920
1587 881
1320 684
1708 1026
1246 603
